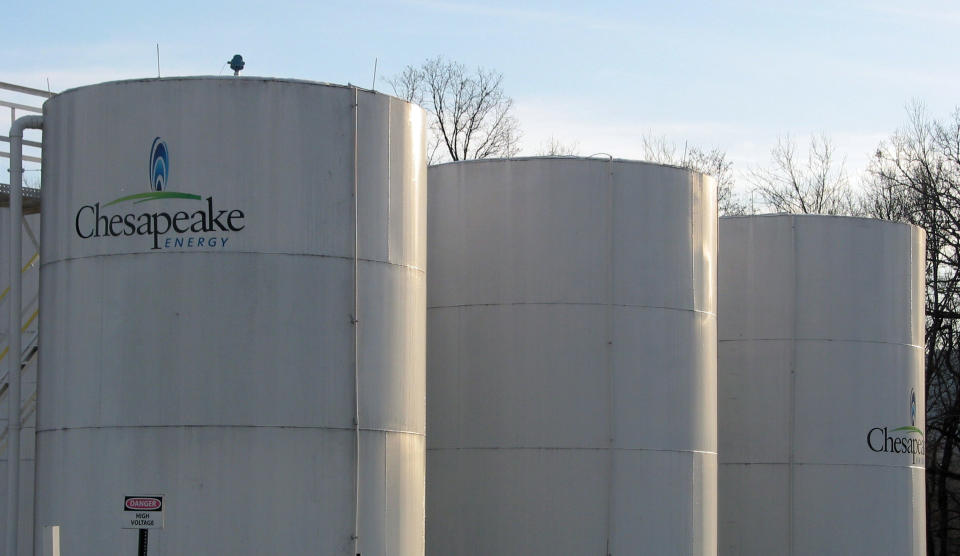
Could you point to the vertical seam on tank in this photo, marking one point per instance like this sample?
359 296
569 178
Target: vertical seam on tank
914 236
461 217
459 400
696 187
389 172
356 318
920 272
793 388
457 458
100 355
386 501
695 194
694 228
608 349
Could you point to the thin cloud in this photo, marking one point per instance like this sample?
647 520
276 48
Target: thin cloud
948 15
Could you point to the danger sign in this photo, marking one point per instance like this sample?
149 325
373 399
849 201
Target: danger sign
142 512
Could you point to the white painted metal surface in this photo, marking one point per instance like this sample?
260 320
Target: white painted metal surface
29 266
571 362
215 364
820 356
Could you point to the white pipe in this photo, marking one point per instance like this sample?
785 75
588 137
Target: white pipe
14 354
356 317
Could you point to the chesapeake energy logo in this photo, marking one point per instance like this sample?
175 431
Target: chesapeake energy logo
901 440
203 226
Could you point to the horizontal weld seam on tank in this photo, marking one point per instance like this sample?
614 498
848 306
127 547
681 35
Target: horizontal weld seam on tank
579 303
837 340
273 253
555 448
290 427
798 464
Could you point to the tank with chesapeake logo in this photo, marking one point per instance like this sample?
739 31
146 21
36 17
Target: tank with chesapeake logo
233 308
821 386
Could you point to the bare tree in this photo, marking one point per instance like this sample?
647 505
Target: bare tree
554 147
471 117
817 185
915 177
884 200
657 148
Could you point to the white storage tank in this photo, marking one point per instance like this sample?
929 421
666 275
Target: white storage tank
202 250
30 275
821 385
572 359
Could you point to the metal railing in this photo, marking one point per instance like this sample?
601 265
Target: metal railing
28 108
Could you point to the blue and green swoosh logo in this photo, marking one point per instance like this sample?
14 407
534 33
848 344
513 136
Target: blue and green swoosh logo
154 196
159 176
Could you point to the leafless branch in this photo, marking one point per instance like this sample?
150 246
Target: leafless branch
471 117
817 185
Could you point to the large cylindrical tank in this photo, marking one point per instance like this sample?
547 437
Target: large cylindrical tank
202 250
821 386
572 359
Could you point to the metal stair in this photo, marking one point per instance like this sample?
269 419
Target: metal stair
29 407
17 99
31 345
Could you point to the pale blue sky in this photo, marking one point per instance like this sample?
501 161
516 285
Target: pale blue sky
733 75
